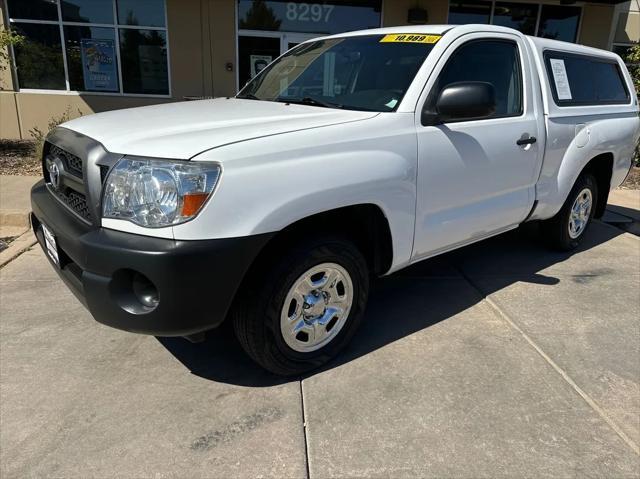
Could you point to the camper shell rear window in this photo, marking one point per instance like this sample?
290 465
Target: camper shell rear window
579 80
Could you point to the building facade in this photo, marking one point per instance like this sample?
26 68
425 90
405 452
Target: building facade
83 56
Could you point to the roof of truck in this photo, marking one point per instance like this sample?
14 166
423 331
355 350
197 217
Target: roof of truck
539 43
547 44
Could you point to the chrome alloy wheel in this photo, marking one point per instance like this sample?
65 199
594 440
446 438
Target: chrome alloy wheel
316 307
580 213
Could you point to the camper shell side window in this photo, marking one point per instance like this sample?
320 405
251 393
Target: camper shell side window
579 80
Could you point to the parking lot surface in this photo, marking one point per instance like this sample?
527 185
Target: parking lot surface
499 360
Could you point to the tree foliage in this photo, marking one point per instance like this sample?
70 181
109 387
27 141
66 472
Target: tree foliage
260 17
7 39
633 63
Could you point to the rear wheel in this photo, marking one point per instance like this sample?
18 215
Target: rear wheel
299 311
565 230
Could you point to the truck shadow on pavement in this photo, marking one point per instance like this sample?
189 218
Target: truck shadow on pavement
403 303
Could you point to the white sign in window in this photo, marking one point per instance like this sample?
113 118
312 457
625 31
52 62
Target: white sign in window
560 79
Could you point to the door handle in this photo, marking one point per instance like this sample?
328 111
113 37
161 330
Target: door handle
526 141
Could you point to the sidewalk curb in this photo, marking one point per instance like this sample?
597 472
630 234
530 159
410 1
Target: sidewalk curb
18 218
22 243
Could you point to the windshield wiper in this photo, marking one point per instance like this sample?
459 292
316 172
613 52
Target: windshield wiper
248 96
307 100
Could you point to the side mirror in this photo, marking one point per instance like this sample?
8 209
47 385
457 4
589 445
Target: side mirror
462 101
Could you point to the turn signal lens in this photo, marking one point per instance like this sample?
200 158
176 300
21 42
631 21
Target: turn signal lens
192 203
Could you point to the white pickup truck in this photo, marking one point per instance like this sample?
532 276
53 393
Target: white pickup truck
350 156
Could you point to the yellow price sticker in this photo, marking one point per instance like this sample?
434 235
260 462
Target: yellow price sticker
410 38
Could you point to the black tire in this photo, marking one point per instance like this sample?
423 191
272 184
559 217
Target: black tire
556 229
256 314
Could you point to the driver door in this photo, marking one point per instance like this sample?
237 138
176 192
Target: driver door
474 180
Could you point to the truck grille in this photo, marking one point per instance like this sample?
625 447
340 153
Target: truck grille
72 163
76 202
68 192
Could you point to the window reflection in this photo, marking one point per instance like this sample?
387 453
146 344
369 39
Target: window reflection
87 11
144 61
520 16
556 21
39 58
469 12
91 59
33 9
145 13
90 32
331 16
559 23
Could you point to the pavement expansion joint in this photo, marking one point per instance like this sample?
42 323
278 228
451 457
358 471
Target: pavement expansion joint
592 403
304 430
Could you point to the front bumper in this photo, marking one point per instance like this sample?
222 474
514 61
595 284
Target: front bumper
195 281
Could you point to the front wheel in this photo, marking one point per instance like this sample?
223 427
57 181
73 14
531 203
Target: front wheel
302 309
565 230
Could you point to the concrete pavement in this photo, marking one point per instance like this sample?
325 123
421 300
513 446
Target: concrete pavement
15 203
623 209
500 360
626 202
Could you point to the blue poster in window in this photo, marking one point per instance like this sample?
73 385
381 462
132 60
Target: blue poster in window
99 65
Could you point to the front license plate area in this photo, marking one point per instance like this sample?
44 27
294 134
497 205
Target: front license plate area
50 245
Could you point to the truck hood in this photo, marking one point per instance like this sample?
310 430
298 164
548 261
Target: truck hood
183 130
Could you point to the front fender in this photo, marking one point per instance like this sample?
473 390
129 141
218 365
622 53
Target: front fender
269 183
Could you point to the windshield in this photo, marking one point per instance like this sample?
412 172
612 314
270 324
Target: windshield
369 72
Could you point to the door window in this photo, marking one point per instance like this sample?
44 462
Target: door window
493 61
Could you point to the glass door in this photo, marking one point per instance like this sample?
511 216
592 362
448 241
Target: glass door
291 40
257 49
255 52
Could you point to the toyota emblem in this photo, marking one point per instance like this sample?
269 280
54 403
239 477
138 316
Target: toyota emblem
54 173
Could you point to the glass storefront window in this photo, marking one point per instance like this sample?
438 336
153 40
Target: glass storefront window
94 63
33 9
91 58
87 11
520 16
559 22
144 61
148 13
469 12
39 58
309 17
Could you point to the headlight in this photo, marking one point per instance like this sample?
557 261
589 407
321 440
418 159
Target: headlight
156 193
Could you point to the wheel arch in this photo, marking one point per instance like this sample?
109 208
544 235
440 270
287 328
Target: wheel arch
365 224
553 194
602 145
601 167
